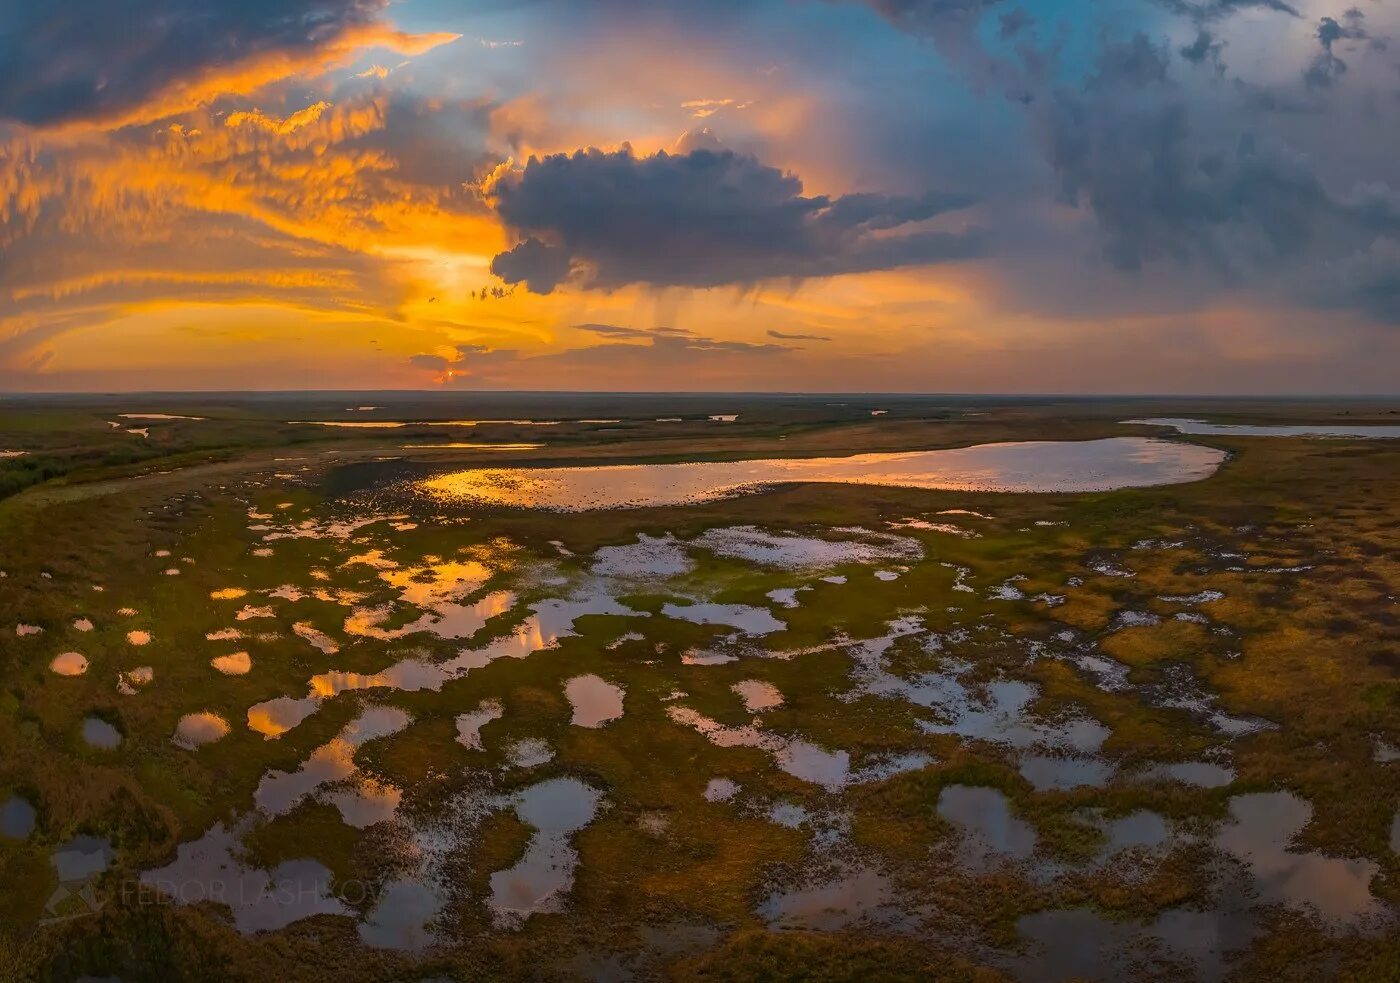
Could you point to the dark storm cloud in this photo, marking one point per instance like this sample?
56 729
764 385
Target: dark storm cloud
1327 67
1204 48
703 219
64 60
1124 146
539 266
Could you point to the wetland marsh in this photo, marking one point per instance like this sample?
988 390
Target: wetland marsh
955 689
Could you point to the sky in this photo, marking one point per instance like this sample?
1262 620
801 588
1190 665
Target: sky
1070 196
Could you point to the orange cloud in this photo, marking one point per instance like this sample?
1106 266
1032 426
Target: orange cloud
249 76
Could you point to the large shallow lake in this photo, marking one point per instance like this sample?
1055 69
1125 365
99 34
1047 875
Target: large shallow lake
1204 428
1023 466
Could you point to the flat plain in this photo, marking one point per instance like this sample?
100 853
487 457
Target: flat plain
284 673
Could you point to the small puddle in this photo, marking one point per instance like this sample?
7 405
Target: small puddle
720 789
531 752
197 729
17 817
69 664
1261 829
403 917
212 870
1201 774
786 551
469 724
100 734
595 701
280 791
81 859
1140 830
748 619
650 557
801 759
234 664
855 895
758 695
557 809
991 833
132 681
1054 773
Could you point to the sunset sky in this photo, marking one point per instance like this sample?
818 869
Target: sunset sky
923 195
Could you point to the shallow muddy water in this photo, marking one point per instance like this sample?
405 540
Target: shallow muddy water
100 734
595 701
557 809
990 833
1260 834
17 817
196 729
212 869
1204 428
1026 466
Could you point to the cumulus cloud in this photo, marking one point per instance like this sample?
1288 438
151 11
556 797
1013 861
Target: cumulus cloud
427 360
1327 67
1124 146
705 218
131 60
